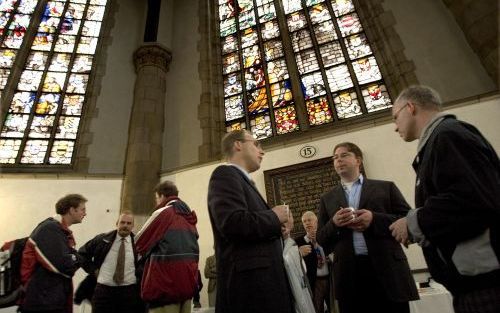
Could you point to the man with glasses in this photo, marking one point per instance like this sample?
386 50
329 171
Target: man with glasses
370 269
247 232
457 198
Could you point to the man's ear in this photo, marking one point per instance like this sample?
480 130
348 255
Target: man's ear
237 145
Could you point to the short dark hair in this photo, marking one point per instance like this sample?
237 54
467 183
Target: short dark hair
351 148
230 138
69 201
421 95
167 189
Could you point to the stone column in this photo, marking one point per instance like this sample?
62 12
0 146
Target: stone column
145 137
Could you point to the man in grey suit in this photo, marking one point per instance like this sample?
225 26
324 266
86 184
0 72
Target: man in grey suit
247 232
370 269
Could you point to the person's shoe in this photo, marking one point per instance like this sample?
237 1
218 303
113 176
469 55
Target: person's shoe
196 305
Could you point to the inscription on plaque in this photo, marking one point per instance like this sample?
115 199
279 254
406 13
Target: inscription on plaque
300 186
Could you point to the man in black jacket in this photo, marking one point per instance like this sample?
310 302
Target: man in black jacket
457 198
111 260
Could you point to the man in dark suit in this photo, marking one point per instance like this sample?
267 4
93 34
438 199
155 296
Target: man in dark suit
316 262
370 269
247 232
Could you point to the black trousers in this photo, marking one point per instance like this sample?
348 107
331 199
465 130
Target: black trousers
117 299
369 295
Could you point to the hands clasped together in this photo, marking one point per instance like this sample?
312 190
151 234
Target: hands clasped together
358 220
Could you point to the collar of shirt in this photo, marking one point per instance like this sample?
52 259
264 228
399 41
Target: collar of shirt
242 170
360 179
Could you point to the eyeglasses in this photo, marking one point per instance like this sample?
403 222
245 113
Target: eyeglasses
395 116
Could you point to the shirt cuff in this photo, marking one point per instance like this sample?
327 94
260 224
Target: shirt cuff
416 234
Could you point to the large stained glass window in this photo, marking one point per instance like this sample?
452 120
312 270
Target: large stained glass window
336 72
45 113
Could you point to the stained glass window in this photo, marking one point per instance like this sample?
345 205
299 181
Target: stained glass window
45 113
336 75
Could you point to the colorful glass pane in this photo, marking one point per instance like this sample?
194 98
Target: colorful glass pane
7 5
318 111
281 93
254 76
37 60
4 19
54 8
71 27
72 105
4 75
273 49
230 63
62 151
77 83
41 126
27 6
366 70
232 84
20 23
82 64
251 55
341 7
68 127
91 28
87 45
236 126
229 44
30 80
331 54
60 62
277 71
325 32
22 102
286 120
75 11
54 82
234 108
319 13
14 38
266 12
313 85
270 30
376 97
227 27
347 105
262 2
42 42
14 125
79 1
65 43
306 61
48 24
301 40
95 13
291 6
8 150
249 37
339 78
257 101
313 2
296 21
48 103
349 24
357 46
261 127
34 151
247 19
227 10
99 2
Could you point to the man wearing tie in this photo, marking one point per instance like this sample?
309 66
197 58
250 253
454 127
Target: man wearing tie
110 259
247 232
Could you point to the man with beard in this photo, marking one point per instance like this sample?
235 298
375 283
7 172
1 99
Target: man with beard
111 259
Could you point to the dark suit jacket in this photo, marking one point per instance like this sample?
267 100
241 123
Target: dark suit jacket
387 204
248 248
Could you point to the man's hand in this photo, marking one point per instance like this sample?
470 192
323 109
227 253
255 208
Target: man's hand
343 217
305 250
281 212
399 230
362 220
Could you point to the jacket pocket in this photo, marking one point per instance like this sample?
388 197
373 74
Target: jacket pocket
252 263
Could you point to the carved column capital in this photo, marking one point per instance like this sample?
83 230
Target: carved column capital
152 54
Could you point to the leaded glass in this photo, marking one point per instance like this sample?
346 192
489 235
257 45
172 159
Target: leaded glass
319 13
54 8
42 42
37 60
41 126
276 70
257 101
357 46
22 102
349 24
247 19
4 75
306 61
314 85
266 12
301 40
229 44
232 84
254 76
261 127
83 64
49 24
281 93
87 45
27 6
251 55
376 97
227 11
29 80
68 127
34 151
7 5
341 7
227 27
262 2
248 37
347 105
72 105
62 151
95 13
273 49
75 11
325 32
270 30
65 43
4 19
99 2
8 150
236 126
14 38
296 21
91 28
14 125
234 108
366 70
71 27
318 111
313 2
245 5
230 63
331 54
291 6
54 82
48 103
77 83
339 78
286 120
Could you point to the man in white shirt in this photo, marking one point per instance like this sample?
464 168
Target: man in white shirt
110 259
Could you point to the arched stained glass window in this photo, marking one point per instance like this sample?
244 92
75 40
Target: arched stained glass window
48 96
316 48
